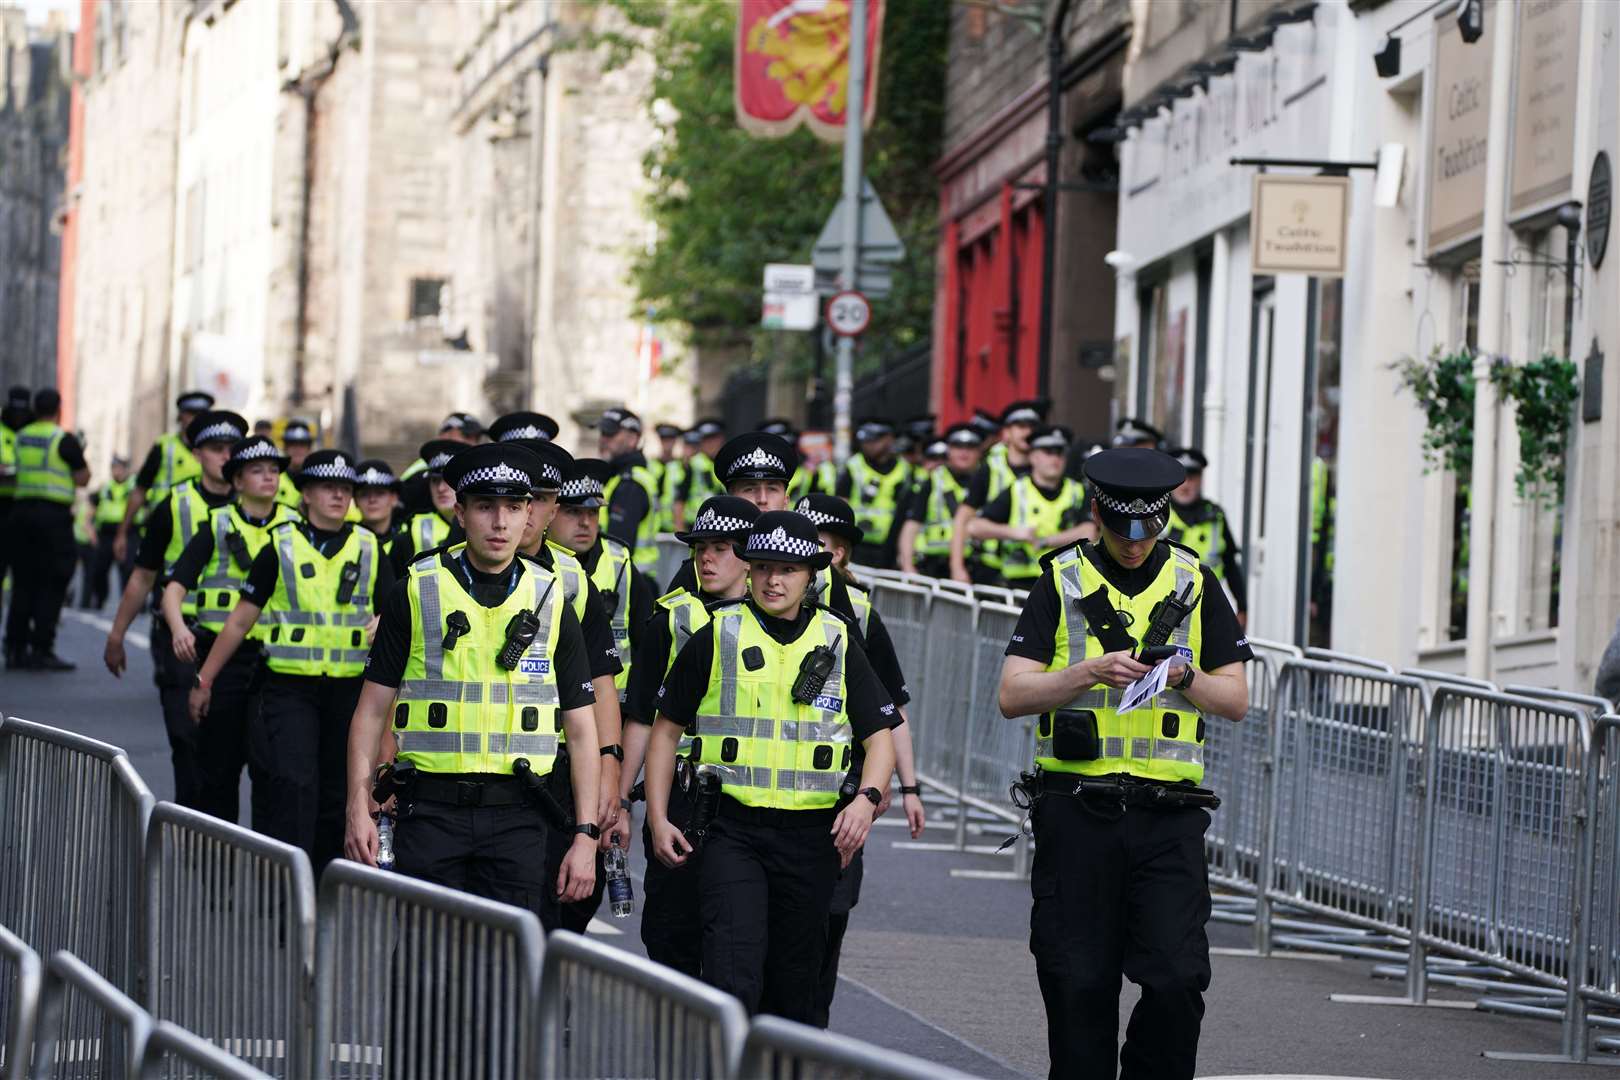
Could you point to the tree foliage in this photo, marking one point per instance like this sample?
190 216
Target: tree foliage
725 202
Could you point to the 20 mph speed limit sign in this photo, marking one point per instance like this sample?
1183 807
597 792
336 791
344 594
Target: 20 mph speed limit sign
848 313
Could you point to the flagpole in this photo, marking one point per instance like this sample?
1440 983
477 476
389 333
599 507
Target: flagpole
854 112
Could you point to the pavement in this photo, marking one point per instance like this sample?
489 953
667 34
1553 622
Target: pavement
937 965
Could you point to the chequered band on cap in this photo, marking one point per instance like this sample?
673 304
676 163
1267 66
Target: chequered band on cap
255 451
336 469
222 430
195 402
580 488
499 473
375 477
1137 507
709 521
758 458
527 431
816 515
550 475
438 461
1050 441
964 437
1025 415
779 542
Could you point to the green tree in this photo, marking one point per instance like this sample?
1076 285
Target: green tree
726 203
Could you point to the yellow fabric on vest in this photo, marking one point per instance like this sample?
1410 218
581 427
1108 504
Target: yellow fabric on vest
612 579
42 473
311 632
188 512
222 579
176 464
1020 561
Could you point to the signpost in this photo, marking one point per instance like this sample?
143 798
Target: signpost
848 314
1299 224
790 297
849 263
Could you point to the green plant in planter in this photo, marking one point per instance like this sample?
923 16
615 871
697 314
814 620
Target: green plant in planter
1443 386
1543 393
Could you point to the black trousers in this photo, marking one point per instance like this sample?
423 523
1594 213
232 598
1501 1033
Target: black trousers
846 894
221 740
489 851
42 554
174 679
766 890
671 916
576 915
95 585
1123 896
297 755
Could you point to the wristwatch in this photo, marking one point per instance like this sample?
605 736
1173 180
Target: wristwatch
1187 678
911 789
873 794
588 828
613 750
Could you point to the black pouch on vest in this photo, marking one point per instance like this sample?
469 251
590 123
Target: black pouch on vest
348 581
239 551
1074 735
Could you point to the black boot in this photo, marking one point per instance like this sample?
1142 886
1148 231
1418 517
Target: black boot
52 662
19 660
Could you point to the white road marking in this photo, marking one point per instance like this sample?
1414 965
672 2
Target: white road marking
134 637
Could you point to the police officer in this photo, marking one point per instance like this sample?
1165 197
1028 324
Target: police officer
111 504
757 467
297 440
458 427
476 616
208 576
1004 462
169 529
1042 511
930 515
319 584
50 470
799 484
1202 525
436 526
704 442
876 483
376 494
167 463
1135 432
1119 880
630 514
14 416
779 694
670 916
669 471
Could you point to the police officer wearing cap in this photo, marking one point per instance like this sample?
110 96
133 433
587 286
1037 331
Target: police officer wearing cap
297 440
435 526
1135 432
758 467
778 694
1042 511
930 514
1003 464
799 484
167 463
630 513
169 529
111 503
318 585
460 427
14 416
376 496
478 813
670 912
669 469
1202 525
206 579
704 443
50 470
876 483
1119 880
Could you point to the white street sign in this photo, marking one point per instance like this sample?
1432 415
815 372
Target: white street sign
791 278
789 311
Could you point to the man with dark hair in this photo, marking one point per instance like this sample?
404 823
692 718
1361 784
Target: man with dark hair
50 467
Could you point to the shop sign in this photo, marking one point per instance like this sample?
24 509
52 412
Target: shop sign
1460 122
1299 224
1544 104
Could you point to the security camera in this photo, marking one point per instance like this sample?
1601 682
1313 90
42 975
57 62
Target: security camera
1119 260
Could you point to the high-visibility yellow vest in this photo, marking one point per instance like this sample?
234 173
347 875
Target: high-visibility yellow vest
413 468
701 483
1002 477
1207 538
945 494
670 478
687 614
798 485
287 493
457 710
84 533
8 462
1021 561
176 465
113 501
188 511
312 632
646 539
612 578
223 577
875 497
42 473
427 531
770 750
1162 740
571 574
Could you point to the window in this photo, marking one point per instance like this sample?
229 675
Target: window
1465 320
1541 522
426 296
1161 378
1324 464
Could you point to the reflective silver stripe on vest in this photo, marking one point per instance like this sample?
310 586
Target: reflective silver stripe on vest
1073 592
424 532
739 727
440 742
834 686
362 593
432 626
301 618
1184 577
543 692
348 656
522 743
681 630
749 776
1173 701
825 731
1162 749
221 577
212 616
289 574
355 619
1090 699
1177 750
730 631
808 780
467 693
188 526
293 652
540 693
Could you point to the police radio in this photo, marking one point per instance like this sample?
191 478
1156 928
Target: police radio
813 674
347 582
1167 615
239 551
521 632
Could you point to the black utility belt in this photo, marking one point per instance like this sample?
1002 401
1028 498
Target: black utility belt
494 791
1129 790
732 810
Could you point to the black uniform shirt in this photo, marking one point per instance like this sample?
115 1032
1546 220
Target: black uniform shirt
916 508
1200 511
402 552
266 571
391 650
147 476
978 492
653 642
865 700
601 650
641 602
194 559
1223 640
631 503
160 529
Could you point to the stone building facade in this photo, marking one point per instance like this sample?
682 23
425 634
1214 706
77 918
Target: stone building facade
34 97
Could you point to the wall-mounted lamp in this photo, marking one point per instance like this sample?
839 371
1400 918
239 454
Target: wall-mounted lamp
1471 19
1388 59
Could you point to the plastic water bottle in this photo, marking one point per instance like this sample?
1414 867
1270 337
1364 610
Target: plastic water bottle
616 865
385 842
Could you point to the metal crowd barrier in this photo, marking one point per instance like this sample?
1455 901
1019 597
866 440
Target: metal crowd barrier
1600 982
172 1052
73 816
87 1028
905 609
996 749
605 1012
940 729
419 981
778 1049
21 975
1235 756
230 937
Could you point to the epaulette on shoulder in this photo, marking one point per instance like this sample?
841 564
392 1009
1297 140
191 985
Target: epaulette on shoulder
1183 548
847 620
716 605
610 542
1078 547
671 596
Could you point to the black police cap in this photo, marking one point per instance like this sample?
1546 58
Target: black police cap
584 482
873 427
920 427
216 425
1133 430
755 456
464 422
721 517
1192 459
331 466
376 473
21 399
1052 437
297 431
616 419
669 431
831 514
499 469
194 401
964 435
523 425
1132 486
787 537
984 423
253 448
555 462
779 426
437 453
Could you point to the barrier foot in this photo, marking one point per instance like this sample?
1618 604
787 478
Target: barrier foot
1549 1059
1386 999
